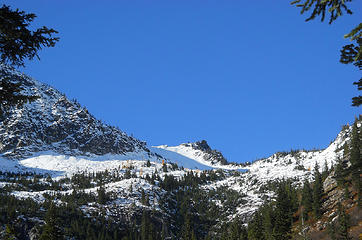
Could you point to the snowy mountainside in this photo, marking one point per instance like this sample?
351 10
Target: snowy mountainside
251 186
299 164
194 155
296 166
136 182
53 122
53 149
179 159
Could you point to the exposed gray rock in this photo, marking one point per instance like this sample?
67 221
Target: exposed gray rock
329 183
212 155
334 194
53 122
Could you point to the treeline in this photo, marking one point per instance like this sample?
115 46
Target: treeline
190 213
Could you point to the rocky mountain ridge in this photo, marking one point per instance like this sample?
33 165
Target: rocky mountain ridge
53 122
213 156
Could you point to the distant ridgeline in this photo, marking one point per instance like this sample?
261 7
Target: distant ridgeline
53 122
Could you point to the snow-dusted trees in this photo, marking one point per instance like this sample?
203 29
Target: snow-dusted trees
317 192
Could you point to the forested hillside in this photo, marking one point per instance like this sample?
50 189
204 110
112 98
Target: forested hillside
326 208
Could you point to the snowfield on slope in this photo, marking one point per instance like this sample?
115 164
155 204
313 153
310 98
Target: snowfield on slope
299 165
57 165
188 157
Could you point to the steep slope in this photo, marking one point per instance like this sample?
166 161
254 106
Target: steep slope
180 159
298 164
340 213
53 122
335 198
256 184
195 155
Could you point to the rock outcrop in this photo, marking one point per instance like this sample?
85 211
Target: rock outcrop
55 123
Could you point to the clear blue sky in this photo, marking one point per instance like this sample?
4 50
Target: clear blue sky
250 77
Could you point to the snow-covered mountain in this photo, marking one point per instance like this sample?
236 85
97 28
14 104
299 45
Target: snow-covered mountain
53 122
57 140
253 186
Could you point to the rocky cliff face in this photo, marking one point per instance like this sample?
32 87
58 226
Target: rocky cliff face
53 122
341 217
210 155
327 227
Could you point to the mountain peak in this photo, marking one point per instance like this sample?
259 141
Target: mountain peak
53 122
199 151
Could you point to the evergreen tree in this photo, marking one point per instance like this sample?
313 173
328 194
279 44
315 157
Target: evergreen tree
193 236
293 197
331 228
9 233
346 191
283 217
325 171
143 197
351 53
102 195
17 41
145 228
10 95
268 222
307 200
320 8
346 151
234 230
243 233
343 220
187 227
255 227
317 192
164 232
356 160
164 167
341 172
127 174
51 230
147 200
